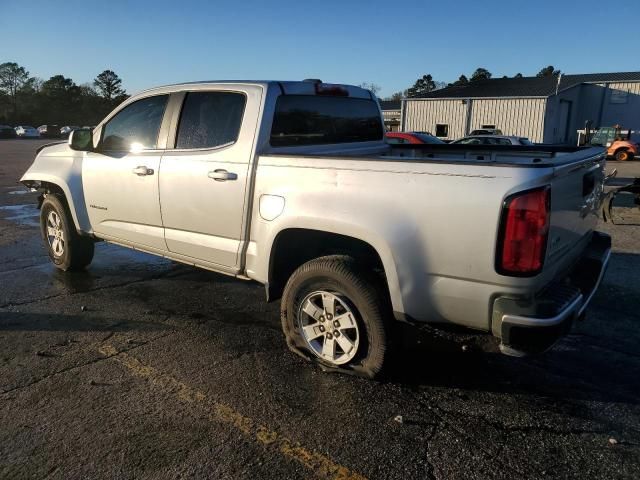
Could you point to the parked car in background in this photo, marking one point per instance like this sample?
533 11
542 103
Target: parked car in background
395 138
25 131
49 131
493 140
486 131
291 184
66 130
7 132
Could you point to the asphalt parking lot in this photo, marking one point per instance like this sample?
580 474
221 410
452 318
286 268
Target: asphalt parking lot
144 368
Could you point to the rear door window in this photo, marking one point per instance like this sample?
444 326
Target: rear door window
210 119
320 120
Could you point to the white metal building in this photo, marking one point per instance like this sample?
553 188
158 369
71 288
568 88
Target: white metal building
546 110
391 114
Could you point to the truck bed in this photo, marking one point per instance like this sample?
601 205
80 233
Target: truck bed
536 156
512 155
450 198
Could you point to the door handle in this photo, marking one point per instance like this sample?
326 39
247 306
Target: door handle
222 175
142 170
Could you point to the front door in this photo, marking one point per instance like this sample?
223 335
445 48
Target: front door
120 178
204 174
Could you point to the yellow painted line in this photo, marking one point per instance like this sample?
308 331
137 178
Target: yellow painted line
321 465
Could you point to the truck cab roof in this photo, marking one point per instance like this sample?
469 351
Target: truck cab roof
291 87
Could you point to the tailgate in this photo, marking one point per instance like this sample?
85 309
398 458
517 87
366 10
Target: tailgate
576 196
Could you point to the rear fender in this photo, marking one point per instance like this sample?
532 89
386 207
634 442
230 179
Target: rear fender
623 145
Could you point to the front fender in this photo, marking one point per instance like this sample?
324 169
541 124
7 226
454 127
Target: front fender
61 166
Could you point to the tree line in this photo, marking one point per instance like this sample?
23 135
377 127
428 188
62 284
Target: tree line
426 83
33 101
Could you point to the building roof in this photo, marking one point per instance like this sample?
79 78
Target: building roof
528 86
390 104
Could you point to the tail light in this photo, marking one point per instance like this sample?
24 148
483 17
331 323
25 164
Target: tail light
524 229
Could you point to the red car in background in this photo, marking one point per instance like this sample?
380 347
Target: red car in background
411 138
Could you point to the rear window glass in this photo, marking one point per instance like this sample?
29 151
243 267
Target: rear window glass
320 120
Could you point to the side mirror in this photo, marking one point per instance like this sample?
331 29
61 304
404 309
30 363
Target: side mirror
623 207
81 140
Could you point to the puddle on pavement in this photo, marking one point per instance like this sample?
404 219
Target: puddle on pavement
22 214
110 264
18 190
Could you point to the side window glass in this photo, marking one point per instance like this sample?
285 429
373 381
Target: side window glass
210 119
136 126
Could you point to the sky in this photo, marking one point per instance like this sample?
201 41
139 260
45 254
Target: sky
390 44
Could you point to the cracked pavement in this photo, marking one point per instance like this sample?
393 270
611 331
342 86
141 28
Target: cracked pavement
144 368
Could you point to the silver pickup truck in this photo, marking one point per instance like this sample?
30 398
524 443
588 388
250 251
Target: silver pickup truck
291 184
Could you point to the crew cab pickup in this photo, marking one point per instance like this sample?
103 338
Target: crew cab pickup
291 184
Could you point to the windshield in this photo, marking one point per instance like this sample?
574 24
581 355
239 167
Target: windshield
603 136
320 120
468 141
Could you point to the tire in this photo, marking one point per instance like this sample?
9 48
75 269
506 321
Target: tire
358 335
623 155
71 251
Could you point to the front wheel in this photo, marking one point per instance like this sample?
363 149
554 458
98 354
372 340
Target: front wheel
334 313
67 250
623 155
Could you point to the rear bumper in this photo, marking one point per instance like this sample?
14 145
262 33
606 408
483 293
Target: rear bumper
533 327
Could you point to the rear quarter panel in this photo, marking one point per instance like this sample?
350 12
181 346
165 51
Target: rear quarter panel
433 224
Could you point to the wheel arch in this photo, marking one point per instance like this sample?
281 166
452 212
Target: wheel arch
624 148
74 199
294 246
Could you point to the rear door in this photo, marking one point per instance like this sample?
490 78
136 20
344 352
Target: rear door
120 178
204 173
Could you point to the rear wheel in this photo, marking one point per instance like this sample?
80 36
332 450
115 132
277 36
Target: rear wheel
623 155
334 313
67 250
